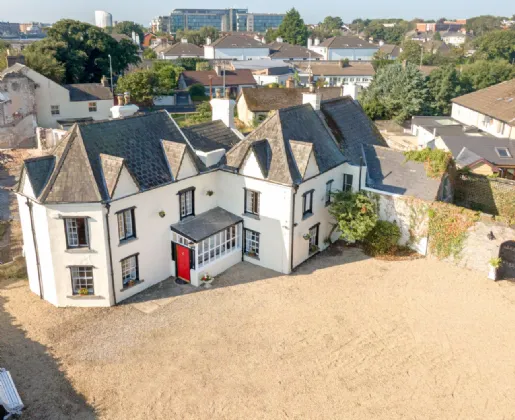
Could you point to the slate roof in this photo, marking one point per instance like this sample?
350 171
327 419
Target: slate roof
232 77
466 158
237 41
388 170
119 37
38 171
497 101
283 50
328 68
210 136
183 48
88 92
351 127
205 224
391 49
342 42
269 99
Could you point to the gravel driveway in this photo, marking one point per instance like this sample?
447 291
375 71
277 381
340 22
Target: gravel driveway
346 337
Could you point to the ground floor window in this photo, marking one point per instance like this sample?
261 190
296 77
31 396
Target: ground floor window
130 270
82 280
251 243
313 239
347 182
218 245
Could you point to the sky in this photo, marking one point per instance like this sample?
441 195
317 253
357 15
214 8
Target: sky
49 11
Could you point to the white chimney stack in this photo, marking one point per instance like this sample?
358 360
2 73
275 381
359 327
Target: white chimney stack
279 39
223 109
317 41
310 42
208 41
381 42
351 90
312 97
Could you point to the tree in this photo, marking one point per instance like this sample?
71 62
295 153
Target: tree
437 36
208 32
292 29
380 59
482 74
332 23
482 24
141 84
397 92
149 54
167 77
355 214
126 27
82 50
271 35
4 45
197 89
390 35
190 63
496 44
411 52
444 84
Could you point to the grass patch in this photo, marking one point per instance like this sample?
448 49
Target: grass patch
15 270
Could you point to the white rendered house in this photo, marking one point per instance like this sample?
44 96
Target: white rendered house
123 204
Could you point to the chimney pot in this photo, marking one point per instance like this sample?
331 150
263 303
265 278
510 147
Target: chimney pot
127 98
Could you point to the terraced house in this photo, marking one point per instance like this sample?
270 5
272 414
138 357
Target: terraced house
121 205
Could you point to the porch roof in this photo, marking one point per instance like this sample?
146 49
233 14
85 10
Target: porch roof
204 225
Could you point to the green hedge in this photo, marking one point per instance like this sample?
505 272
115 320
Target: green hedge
382 239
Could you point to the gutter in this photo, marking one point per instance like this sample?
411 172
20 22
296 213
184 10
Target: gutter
36 251
293 224
108 207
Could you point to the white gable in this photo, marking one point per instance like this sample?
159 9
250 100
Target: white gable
187 168
251 167
125 185
27 187
312 168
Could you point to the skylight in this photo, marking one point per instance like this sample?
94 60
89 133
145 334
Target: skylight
503 152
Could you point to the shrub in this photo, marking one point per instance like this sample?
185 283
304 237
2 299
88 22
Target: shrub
197 89
382 239
435 161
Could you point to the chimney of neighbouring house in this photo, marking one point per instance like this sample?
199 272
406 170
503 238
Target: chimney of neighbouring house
279 39
104 82
127 98
310 42
290 83
208 41
351 90
263 40
184 40
317 41
381 42
223 108
312 97
123 108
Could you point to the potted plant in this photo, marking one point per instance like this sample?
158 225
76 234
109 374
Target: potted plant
251 254
131 283
209 193
306 236
83 292
162 214
494 265
327 241
207 278
313 249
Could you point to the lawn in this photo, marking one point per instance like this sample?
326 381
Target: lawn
345 337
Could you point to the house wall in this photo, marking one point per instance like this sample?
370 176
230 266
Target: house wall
360 54
492 126
482 169
424 136
320 50
263 79
244 114
240 53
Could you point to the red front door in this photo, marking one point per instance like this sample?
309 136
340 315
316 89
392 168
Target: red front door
183 262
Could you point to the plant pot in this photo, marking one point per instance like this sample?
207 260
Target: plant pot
208 281
162 214
492 273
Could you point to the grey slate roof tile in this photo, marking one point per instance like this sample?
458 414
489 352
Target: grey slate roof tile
88 92
38 171
210 136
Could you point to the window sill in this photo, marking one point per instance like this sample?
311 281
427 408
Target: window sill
251 215
307 215
130 287
254 257
85 297
80 251
189 216
128 240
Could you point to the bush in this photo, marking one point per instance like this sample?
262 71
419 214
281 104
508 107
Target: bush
197 89
382 239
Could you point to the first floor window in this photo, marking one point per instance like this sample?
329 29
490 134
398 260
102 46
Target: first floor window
82 280
186 202
251 202
92 106
130 270
54 109
126 225
328 188
347 182
313 239
307 203
251 243
76 232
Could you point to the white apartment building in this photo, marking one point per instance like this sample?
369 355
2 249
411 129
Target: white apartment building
103 19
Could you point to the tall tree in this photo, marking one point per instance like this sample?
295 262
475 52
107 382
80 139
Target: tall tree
332 23
82 50
444 84
397 92
411 52
482 24
4 45
292 29
126 27
496 44
483 73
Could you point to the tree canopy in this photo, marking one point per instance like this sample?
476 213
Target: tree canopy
480 25
127 27
411 52
77 52
483 73
332 23
444 84
199 37
496 44
390 35
4 45
292 29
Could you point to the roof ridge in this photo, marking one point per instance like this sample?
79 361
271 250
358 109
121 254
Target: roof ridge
113 120
36 158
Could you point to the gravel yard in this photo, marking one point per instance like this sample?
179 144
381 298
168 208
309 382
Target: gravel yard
345 337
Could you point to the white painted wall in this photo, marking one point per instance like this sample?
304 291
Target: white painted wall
125 186
187 168
492 126
362 54
263 79
312 168
237 53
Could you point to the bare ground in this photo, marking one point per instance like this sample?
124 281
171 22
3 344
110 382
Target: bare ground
346 337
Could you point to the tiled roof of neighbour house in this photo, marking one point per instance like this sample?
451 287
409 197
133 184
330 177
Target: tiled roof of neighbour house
497 101
119 37
283 50
232 77
351 127
388 170
342 42
269 99
210 136
183 48
300 123
38 171
434 47
205 224
466 158
88 158
427 70
482 145
328 68
237 41
88 92
390 49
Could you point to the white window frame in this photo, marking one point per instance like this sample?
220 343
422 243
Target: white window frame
252 241
130 269
92 106
82 278
126 225
313 236
219 245
55 110
71 228
252 201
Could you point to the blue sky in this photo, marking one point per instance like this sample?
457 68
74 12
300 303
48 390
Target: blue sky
311 11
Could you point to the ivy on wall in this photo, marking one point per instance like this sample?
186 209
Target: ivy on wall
436 161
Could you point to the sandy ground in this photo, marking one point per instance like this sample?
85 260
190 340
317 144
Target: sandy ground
346 337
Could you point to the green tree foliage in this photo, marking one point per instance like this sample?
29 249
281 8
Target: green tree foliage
436 161
437 36
482 24
82 50
496 44
190 63
202 66
411 52
390 35
141 84
4 45
380 59
331 23
209 32
197 89
292 29
271 35
397 92
482 74
355 214
127 27
444 84
382 239
149 54
167 75
199 37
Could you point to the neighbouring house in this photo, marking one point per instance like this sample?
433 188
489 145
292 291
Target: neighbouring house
121 205
491 109
280 50
255 105
147 39
236 47
344 47
455 39
454 26
436 47
218 78
337 73
427 70
390 51
266 71
58 105
181 49
18 120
